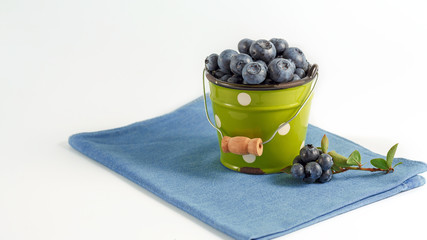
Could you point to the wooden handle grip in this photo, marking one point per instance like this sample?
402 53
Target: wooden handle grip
242 145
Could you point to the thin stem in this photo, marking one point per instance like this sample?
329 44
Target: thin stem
364 169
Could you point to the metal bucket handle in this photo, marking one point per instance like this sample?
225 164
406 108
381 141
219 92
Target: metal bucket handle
313 73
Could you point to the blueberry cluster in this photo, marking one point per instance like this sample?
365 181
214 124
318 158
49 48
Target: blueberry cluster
311 165
259 62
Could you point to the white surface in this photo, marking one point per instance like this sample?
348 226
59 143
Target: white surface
68 67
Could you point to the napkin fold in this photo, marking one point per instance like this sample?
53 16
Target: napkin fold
176 157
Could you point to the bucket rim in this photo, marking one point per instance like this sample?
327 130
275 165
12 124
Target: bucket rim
312 72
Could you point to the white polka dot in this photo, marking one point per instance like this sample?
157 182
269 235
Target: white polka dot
244 99
217 121
285 129
249 158
302 144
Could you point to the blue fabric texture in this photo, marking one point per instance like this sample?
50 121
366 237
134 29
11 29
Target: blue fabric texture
176 156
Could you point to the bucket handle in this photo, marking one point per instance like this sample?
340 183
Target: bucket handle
314 73
247 148
206 107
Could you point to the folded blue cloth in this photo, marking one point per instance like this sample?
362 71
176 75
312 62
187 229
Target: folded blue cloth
176 156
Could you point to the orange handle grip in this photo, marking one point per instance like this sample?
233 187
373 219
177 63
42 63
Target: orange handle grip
242 145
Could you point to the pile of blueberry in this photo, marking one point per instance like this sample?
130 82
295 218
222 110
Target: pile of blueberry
312 165
259 62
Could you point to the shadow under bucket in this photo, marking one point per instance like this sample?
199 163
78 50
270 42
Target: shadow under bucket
277 114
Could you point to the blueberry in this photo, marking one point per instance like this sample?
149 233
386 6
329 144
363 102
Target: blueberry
225 77
313 171
306 65
280 45
297 159
263 50
308 180
224 60
211 62
297 56
295 77
235 79
263 64
326 176
281 70
298 171
238 62
254 73
325 161
219 73
309 153
244 45
300 72
268 81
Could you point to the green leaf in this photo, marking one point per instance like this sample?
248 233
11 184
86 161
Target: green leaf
325 144
336 168
379 163
286 170
339 160
390 155
354 158
397 164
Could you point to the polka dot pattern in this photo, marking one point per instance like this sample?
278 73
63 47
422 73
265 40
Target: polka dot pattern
284 129
217 121
249 158
244 99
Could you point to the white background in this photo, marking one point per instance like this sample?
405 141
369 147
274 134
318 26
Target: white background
86 65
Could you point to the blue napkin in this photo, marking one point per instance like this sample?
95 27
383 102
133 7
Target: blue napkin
176 156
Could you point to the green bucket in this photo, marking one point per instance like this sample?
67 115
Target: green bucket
278 114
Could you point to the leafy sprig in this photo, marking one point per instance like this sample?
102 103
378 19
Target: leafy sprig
354 161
